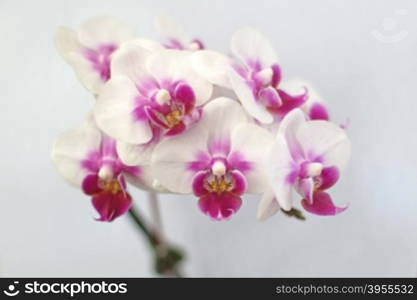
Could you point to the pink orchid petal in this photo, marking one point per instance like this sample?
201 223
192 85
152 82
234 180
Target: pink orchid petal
329 177
237 161
198 184
239 183
176 129
201 162
99 59
90 184
110 205
318 112
219 206
270 98
276 75
290 102
185 94
322 205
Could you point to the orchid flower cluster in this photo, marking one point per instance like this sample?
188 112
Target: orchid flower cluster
176 117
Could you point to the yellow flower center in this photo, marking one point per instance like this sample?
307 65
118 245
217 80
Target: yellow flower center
112 186
219 185
173 118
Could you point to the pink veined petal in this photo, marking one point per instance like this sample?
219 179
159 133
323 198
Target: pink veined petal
306 188
322 205
90 184
110 206
318 112
185 94
198 184
329 177
219 206
239 183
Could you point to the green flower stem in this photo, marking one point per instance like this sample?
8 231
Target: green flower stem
166 257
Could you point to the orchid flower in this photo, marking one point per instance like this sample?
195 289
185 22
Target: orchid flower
177 38
151 94
307 156
256 79
218 160
89 50
88 159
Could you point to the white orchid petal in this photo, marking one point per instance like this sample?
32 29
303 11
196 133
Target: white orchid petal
171 30
171 64
250 45
66 41
145 179
279 169
132 155
221 116
103 30
213 66
246 97
85 73
114 112
72 147
130 60
327 140
148 44
268 206
252 142
171 158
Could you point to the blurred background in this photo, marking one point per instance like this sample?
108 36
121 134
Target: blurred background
360 55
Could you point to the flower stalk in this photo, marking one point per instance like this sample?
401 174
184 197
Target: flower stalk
166 256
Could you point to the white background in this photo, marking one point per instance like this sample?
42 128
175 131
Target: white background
46 226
